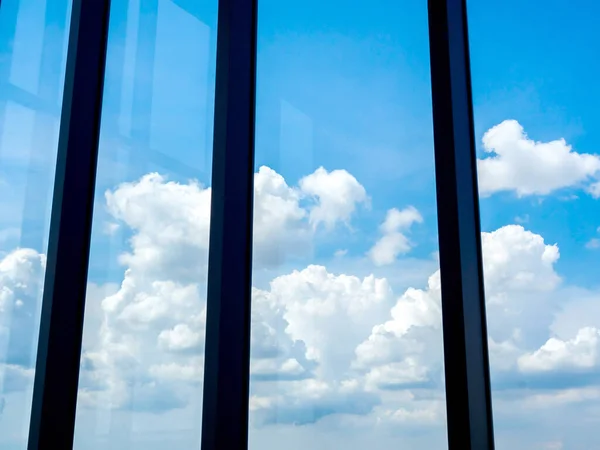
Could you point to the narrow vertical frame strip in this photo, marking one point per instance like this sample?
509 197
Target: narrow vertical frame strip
468 397
227 350
59 348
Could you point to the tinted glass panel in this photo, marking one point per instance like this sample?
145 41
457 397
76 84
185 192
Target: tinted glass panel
33 39
346 324
535 95
142 361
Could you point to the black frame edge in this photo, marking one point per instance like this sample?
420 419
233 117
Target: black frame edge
56 379
227 349
468 396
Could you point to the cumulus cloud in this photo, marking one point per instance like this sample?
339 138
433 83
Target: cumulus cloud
305 326
313 296
416 308
181 337
151 333
21 281
337 194
519 273
323 343
15 378
308 401
520 285
417 412
527 167
280 224
394 241
168 218
147 352
594 189
170 224
517 260
581 352
401 348
305 329
155 321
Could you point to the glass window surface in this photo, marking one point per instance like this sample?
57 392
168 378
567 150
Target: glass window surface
142 360
346 348
33 43
535 90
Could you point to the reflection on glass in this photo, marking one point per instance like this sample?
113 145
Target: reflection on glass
535 93
142 361
346 323
33 39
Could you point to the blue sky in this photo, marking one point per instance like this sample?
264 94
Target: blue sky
346 326
530 62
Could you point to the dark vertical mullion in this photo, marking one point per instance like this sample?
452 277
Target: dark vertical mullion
468 398
59 348
227 354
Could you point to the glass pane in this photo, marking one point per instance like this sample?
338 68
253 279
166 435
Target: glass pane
346 324
535 86
142 360
33 43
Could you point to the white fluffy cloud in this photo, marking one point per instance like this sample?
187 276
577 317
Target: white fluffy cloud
306 327
337 193
518 163
519 276
149 341
170 224
151 333
169 219
394 240
405 351
152 327
520 283
323 343
401 350
594 189
517 260
556 354
21 281
280 224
